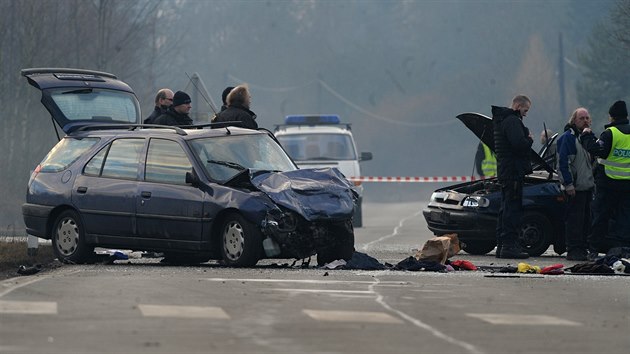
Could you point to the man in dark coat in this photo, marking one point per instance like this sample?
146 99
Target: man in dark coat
612 181
177 114
238 101
512 144
163 99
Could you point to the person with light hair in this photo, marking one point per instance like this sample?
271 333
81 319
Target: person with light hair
238 111
576 176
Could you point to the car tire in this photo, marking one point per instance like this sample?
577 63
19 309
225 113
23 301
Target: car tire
357 219
535 235
241 242
68 239
343 248
479 247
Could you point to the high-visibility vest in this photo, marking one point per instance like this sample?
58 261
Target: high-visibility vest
489 163
617 164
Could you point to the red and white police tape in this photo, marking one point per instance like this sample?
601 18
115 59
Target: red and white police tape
417 179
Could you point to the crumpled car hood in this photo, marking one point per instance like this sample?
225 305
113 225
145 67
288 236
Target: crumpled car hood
316 194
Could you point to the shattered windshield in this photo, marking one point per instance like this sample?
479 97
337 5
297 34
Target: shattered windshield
224 157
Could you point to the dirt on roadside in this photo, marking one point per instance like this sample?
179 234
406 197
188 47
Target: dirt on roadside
15 260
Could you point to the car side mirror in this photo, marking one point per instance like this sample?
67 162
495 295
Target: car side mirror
192 179
366 156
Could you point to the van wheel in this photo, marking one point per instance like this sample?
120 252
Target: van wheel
535 235
241 244
68 239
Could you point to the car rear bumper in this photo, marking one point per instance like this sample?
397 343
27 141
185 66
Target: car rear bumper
36 219
466 224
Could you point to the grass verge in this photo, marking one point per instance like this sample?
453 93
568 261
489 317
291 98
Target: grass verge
13 254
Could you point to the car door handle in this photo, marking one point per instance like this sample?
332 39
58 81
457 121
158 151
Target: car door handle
145 194
82 190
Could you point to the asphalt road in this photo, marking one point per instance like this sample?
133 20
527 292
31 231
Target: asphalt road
142 306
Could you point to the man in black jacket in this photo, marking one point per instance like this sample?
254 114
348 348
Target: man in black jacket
238 101
163 99
512 144
612 181
177 114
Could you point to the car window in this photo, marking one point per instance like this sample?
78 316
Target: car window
94 166
96 105
123 158
67 151
224 157
166 162
318 146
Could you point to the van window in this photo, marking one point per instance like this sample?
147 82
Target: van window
303 147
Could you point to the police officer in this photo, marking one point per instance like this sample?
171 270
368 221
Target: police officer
612 181
485 161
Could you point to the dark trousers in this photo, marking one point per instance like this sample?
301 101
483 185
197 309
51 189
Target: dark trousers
610 205
577 223
510 217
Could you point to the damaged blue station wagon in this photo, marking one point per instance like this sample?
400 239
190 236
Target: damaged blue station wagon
194 193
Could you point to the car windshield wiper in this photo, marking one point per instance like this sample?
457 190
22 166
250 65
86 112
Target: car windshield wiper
233 165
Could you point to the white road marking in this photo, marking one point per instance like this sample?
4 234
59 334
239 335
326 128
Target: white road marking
522 320
400 225
28 307
352 316
327 291
434 331
183 311
306 281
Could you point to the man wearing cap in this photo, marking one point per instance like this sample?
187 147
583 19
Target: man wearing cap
612 181
163 99
177 114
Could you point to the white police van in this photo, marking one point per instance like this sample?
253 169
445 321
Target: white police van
315 141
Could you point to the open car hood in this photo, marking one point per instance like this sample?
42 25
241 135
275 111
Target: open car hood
76 97
481 126
316 194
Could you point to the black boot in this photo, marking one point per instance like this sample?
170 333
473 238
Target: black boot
498 252
512 251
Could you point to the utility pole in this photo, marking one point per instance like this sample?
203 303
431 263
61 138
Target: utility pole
563 109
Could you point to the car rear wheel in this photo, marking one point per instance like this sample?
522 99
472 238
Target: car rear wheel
68 239
535 235
241 241
479 247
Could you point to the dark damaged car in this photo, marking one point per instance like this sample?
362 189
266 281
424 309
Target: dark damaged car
470 209
194 193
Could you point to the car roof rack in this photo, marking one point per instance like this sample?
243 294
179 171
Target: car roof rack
89 127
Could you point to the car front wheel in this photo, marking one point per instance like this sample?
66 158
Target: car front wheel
241 241
535 235
68 239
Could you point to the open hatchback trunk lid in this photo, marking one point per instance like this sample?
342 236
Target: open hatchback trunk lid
76 97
